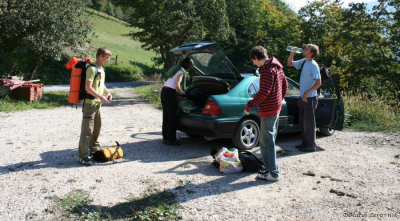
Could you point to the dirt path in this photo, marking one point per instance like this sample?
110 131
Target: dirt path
352 175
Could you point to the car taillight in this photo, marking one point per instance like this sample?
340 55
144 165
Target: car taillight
211 108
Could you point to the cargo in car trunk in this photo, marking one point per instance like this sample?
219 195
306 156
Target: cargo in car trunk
202 88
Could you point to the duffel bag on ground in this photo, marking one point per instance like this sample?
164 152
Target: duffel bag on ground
109 154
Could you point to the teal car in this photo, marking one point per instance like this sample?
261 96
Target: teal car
218 94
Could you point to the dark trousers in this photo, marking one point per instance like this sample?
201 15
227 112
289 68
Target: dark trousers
307 121
170 119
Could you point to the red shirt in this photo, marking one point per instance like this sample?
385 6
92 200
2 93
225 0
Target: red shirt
273 88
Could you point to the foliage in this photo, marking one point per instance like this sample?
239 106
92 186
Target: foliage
50 100
356 44
165 24
75 206
32 29
371 113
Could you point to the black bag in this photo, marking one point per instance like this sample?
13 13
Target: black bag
84 64
250 162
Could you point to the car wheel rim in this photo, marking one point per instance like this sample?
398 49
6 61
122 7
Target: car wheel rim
248 135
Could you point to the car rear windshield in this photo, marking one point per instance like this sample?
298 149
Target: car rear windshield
210 64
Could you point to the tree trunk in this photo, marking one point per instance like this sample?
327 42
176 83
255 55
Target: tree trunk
34 67
6 63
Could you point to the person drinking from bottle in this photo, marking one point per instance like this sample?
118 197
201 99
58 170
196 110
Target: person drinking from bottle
310 81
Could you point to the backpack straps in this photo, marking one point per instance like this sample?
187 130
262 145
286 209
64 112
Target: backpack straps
116 150
302 66
87 95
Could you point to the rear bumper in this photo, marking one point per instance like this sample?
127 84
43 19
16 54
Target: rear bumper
208 127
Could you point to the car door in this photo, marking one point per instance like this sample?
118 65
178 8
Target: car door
330 109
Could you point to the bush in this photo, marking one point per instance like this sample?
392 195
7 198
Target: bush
371 113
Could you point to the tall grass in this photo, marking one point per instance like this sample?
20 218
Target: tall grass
371 113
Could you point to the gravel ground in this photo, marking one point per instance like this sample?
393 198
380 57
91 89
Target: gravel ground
352 176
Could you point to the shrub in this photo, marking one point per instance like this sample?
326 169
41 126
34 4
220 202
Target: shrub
371 113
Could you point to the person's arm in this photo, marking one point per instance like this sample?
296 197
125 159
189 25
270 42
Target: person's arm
316 85
93 92
108 94
178 84
290 59
284 87
262 94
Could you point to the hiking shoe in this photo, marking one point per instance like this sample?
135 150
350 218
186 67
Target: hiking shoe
308 149
300 146
174 143
268 176
86 161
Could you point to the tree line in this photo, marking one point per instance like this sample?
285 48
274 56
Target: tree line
360 46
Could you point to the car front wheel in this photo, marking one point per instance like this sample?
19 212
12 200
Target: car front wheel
247 135
326 131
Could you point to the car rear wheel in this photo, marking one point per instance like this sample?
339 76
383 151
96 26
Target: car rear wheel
247 135
326 131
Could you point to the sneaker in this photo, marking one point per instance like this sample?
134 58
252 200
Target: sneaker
86 161
300 146
308 149
268 176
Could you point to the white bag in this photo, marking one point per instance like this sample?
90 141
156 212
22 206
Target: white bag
228 160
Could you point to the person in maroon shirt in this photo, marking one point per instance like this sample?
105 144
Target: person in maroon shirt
273 88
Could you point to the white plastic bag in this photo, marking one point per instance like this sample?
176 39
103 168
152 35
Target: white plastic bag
228 160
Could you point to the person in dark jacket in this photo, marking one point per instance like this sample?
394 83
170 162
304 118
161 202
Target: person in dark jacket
175 85
273 88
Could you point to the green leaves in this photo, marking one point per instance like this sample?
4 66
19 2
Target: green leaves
165 24
31 29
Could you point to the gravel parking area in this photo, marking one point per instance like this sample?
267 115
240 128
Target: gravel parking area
352 176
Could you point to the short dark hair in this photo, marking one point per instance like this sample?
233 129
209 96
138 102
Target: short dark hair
258 52
187 63
103 51
314 50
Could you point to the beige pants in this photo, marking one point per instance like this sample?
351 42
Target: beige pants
90 130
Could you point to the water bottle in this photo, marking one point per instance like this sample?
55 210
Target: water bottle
296 49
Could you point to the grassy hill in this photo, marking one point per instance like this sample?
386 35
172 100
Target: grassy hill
133 64
109 31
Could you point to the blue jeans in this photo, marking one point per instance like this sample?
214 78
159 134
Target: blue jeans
269 129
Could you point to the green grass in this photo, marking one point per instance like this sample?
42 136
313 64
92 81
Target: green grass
151 205
134 63
151 93
109 31
371 113
50 100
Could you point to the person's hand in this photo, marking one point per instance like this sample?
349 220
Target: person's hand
109 97
304 97
246 112
103 99
293 50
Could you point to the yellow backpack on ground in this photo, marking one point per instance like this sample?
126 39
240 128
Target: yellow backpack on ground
109 154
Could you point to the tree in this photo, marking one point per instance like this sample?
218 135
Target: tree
32 29
165 24
358 45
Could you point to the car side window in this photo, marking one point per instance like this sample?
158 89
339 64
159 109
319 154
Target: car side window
293 90
254 88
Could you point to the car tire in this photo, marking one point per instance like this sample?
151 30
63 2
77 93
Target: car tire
247 135
326 131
